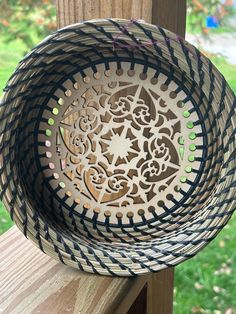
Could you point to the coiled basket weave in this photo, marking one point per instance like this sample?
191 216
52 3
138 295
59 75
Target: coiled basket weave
118 147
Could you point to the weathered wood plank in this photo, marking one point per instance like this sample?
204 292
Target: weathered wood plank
170 14
73 11
160 292
32 282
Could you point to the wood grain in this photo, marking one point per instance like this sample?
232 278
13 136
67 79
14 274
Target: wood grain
74 11
170 15
32 282
160 292
140 304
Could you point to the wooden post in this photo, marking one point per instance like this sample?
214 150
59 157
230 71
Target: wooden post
168 14
74 11
160 290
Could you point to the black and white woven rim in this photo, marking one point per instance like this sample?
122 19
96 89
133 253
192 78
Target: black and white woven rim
131 249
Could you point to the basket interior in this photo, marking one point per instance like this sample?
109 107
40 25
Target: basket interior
118 144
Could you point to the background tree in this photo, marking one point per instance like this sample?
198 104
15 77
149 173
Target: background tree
27 20
200 10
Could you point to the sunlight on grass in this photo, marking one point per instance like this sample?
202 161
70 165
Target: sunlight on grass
207 282
10 55
228 70
5 221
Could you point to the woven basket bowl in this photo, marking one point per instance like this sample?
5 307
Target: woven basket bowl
118 147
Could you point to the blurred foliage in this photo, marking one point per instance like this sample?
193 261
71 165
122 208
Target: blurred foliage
200 10
27 20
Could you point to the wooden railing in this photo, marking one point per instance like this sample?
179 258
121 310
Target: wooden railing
32 282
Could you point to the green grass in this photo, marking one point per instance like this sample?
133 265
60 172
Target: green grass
204 284
5 221
10 54
207 282
228 70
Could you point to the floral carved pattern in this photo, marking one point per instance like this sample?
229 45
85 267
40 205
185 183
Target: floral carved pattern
118 144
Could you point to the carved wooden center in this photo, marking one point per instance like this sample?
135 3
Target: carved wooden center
121 143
